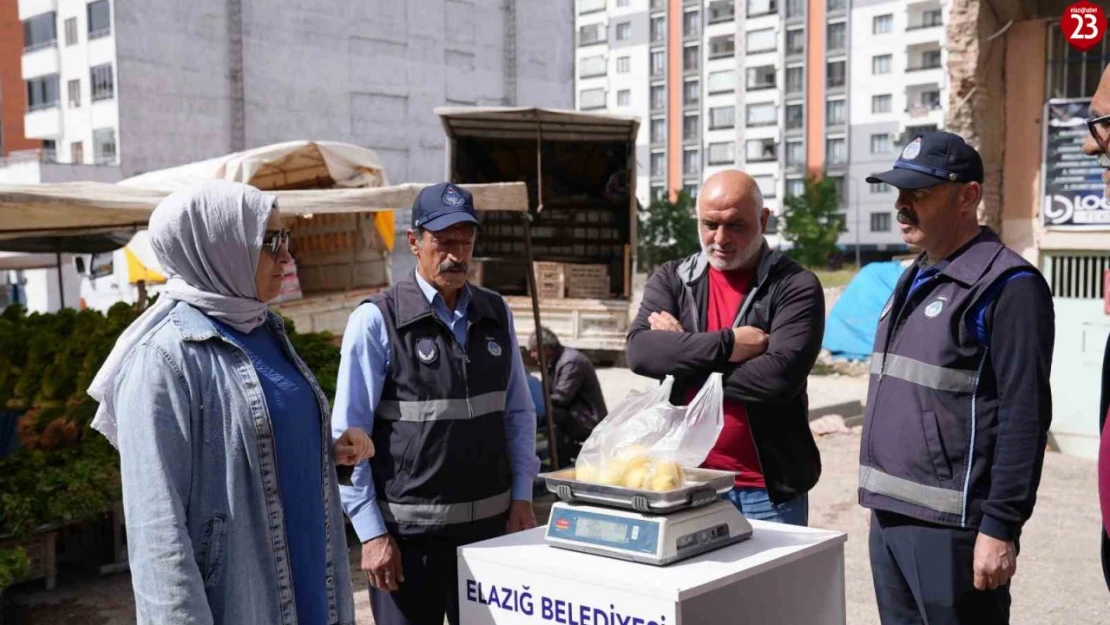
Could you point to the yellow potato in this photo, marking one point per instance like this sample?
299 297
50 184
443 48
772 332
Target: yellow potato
635 477
585 473
613 473
666 476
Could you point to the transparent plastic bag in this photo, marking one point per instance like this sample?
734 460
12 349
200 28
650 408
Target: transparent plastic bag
646 437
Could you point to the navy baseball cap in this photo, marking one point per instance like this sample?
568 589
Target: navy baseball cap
441 206
930 159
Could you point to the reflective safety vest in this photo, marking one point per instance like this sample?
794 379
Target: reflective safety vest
932 407
442 460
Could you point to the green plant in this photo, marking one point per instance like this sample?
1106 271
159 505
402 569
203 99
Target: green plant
13 565
667 231
811 222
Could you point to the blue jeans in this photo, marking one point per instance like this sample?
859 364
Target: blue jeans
755 503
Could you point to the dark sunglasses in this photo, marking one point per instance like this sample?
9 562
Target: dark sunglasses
274 240
1099 128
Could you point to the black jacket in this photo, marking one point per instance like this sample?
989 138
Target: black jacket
576 391
1103 405
787 302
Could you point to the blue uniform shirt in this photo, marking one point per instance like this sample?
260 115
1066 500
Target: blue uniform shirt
362 372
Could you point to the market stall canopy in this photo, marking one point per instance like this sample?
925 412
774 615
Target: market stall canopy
16 261
68 209
531 123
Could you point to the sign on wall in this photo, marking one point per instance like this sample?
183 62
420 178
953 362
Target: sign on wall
1074 193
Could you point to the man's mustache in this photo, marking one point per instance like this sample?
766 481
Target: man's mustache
450 266
907 218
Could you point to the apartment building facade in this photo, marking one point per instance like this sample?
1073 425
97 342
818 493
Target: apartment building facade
146 85
783 89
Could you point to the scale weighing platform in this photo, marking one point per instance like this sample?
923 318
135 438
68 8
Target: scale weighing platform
655 528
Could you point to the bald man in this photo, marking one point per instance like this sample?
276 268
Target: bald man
1098 144
741 309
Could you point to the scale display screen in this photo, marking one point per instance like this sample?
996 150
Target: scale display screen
607 531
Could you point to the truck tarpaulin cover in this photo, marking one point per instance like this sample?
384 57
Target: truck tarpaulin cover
850 327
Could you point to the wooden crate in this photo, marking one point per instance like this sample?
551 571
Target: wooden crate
40 551
338 252
550 280
586 281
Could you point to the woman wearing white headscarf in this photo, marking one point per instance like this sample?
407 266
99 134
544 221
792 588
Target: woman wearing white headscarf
229 486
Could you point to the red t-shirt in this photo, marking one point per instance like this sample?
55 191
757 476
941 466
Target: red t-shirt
735 448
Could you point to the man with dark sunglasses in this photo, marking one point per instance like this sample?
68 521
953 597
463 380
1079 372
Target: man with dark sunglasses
1098 144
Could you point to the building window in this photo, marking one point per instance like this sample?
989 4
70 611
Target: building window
691 124
658 63
624 97
721 11
930 59
795 79
838 34
880 144
880 222
795 154
722 82
658 130
723 153
795 187
103 87
104 145
880 64
591 99
71 31
691 56
795 41
691 162
591 66
73 94
930 99
590 6
39 32
691 24
795 8
100 19
794 117
590 34
834 112
77 153
762 114
658 164
624 31
766 185
691 92
761 7
722 46
881 103
841 219
882 24
691 189
837 149
658 192
838 5
760 150
721 117
42 92
624 65
930 19
761 40
658 5
879 187
658 29
658 97
761 77
836 76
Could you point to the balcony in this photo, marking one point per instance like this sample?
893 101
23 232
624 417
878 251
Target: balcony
923 33
41 62
45 123
31 8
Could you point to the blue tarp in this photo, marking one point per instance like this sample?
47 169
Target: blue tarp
850 326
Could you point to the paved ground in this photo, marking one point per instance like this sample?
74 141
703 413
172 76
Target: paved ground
1059 579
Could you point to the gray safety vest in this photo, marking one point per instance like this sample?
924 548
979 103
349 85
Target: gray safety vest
932 406
442 461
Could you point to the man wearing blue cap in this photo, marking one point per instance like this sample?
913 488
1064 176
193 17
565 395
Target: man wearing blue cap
959 402
432 369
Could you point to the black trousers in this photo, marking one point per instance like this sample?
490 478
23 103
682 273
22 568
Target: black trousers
924 575
430 590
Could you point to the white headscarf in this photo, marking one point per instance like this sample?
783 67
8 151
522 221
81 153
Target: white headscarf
207 238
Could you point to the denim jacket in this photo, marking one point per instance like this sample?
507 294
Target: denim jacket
206 534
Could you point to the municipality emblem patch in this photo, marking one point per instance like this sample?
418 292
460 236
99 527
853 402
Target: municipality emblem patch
426 351
934 308
912 150
494 348
452 197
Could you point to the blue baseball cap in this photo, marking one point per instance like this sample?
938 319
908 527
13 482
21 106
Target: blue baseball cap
443 205
930 159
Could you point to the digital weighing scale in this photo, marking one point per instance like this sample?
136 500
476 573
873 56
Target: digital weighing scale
643 526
